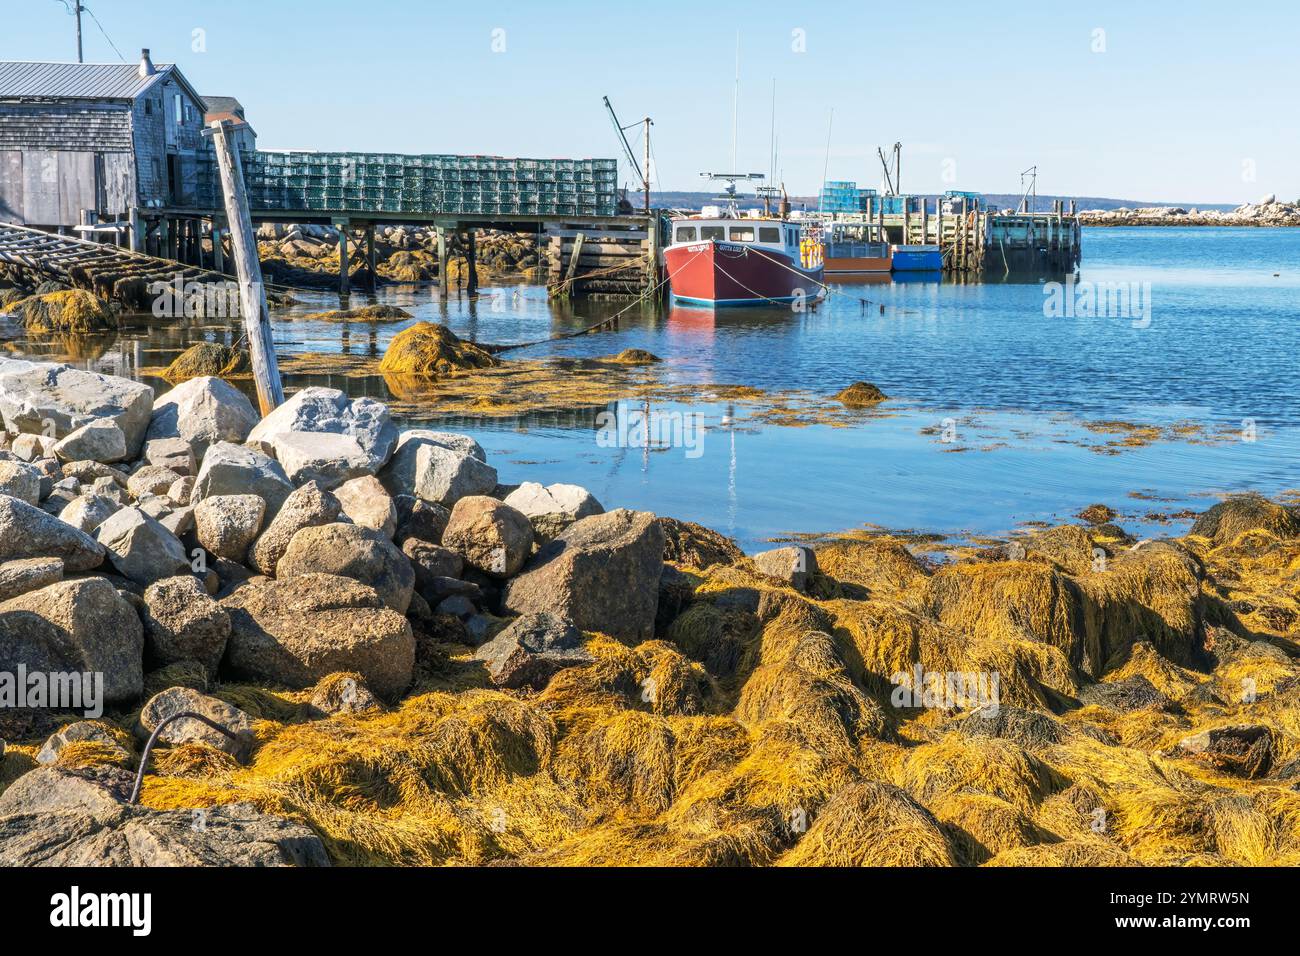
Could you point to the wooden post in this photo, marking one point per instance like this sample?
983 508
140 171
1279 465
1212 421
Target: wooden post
371 263
218 252
137 237
345 258
442 261
252 293
471 265
938 224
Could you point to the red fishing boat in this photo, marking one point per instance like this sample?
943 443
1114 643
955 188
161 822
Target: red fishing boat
723 258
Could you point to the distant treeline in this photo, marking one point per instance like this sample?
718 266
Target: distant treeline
670 199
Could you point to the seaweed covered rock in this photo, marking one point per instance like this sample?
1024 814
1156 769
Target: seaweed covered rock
429 349
304 628
73 311
860 395
636 357
696 546
1244 750
1240 513
207 359
368 313
872 824
601 573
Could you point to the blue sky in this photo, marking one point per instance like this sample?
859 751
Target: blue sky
1172 101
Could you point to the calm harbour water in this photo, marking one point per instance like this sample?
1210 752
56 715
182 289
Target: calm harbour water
1017 385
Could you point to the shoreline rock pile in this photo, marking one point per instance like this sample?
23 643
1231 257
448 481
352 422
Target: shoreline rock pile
414 663
1267 212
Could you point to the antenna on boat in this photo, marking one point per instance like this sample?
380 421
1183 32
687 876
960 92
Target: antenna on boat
826 164
735 105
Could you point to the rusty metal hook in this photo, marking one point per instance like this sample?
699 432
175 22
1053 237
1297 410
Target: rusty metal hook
153 738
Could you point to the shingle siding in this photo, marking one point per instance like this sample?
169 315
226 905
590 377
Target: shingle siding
65 126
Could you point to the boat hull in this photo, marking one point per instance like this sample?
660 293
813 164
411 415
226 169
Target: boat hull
917 259
726 273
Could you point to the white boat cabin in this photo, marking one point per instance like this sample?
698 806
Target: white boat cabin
773 233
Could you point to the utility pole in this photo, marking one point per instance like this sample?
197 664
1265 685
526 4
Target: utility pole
77 5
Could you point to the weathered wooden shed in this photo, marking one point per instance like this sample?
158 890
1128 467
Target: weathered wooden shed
86 144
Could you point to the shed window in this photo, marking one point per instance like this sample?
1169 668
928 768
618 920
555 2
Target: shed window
769 233
156 166
179 114
187 112
685 233
148 107
742 233
712 232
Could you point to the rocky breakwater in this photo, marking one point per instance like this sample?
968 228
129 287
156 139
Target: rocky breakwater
144 539
1267 212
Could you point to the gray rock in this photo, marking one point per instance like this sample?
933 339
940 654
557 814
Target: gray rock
228 524
490 535
435 472
366 503
187 730
28 532
30 447
140 548
88 512
101 440
308 506
453 440
601 573
349 551
531 649
299 630
203 411
420 519
82 625
87 471
431 561
174 453
552 508
183 623
328 459
795 565
150 480
179 521
239 470
28 574
181 490
20 480
329 411
37 395
58 816
1243 750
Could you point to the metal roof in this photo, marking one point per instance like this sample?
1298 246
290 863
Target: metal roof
223 104
21 79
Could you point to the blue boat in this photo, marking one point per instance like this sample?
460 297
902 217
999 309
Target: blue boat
917 259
